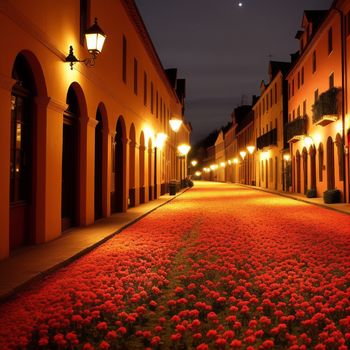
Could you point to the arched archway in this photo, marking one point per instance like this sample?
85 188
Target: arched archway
99 165
340 156
142 167
330 164
320 162
150 170
119 202
70 161
298 179
305 170
25 148
132 146
312 153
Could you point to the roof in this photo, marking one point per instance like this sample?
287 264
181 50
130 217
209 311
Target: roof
315 17
276 66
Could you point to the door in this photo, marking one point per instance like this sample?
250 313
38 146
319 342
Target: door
69 173
21 158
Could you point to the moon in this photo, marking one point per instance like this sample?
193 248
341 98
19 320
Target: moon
240 4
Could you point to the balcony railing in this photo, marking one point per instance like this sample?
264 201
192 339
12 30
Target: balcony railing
296 129
267 139
325 109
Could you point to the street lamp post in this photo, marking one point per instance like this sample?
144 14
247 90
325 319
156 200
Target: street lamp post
183 151
175 125
251 150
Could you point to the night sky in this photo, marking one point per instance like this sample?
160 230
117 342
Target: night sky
222 49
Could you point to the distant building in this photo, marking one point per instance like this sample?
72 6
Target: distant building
270 115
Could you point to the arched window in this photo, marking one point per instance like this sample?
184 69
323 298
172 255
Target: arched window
313 167
21 157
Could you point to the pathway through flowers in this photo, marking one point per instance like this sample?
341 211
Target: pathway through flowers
221 267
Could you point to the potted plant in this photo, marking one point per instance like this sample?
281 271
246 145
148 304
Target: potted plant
331 196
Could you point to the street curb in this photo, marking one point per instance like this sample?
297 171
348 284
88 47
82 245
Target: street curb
42 274
294 198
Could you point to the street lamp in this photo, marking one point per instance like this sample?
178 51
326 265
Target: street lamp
160 140
95 39
251 150
175 125
194 162
183 151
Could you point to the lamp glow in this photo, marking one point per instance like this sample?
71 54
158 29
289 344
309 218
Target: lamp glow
198 173
243 154
286 157
194 162
251 149
184 149
222 164
235 161
308 141
95 38
175 124
160 140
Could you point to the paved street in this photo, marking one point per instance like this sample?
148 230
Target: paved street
219 267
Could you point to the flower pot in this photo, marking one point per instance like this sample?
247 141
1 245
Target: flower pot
331 196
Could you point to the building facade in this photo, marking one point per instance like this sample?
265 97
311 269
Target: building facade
316 119
270 115
78 145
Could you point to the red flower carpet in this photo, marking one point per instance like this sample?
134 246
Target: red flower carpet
220 267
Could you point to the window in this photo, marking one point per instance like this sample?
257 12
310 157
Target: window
293 87
331 81
298 111
271 97
293 114
302 76
152 107
330 40
298 80
267 102
84 18
145 88
135 76
124 59
275 92
314 62
316 95
304 107
157 107
348 23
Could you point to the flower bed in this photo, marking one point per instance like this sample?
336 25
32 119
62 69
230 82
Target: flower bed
218 268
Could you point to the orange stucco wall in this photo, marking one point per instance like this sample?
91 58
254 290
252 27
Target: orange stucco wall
43 32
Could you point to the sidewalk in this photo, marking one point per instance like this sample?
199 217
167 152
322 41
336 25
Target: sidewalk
340 207
33 262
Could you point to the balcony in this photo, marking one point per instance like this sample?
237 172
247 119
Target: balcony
325 109
268 139
295 130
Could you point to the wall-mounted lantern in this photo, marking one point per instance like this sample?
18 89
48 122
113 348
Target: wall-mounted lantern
95 38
